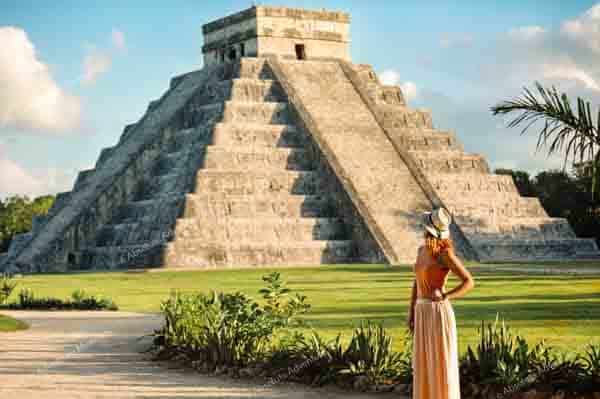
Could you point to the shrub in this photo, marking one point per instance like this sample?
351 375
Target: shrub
368 357
79 301
504 363
311 358
370 354
224 329
500 360
591 360
7 286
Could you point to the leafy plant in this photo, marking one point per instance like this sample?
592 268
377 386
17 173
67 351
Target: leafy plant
591 359
319 361
228 329
500 359
83 301
79 301
279 302
7 286
26 298
370 354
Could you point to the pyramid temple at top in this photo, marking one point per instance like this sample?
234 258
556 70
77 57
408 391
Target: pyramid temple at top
280 151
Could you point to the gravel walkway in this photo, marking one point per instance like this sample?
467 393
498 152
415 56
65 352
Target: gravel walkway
99 355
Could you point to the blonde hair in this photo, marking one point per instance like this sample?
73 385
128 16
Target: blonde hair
436 246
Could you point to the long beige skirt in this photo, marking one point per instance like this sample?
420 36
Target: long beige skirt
435 351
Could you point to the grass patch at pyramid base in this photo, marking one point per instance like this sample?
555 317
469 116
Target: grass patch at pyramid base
564 309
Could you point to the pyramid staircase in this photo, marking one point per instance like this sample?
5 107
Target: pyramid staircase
277 162
238 189
499 223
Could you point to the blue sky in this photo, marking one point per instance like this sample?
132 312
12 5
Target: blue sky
89 70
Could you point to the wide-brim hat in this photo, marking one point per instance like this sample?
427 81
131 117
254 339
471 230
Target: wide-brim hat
437 222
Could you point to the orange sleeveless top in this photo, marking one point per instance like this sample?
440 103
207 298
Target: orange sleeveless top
429 274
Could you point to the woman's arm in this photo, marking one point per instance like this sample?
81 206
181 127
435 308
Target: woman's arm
450 260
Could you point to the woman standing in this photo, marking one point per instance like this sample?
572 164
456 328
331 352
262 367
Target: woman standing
431 317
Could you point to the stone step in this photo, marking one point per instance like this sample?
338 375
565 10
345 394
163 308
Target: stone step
189 158
525 228
387 94
240 90
202 113
524 250
437 142
257 182
450 161
149 254
211 206
177 181
546 228
257 112
194 137
256 90
239 230
480 206
222 230
196 253
159 209
471 184
256 158
396 117
257 135
253 68
134 232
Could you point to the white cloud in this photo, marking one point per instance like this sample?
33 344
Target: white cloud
389 77
15 179
569 72
30 98
118 39
526 32
409 89
585 29
95 63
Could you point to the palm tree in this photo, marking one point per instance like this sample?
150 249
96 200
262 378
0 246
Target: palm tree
564 131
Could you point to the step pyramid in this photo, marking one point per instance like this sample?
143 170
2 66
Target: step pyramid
263 160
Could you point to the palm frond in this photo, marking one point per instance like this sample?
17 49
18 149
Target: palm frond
572 134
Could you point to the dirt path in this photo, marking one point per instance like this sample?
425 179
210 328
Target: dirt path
98 355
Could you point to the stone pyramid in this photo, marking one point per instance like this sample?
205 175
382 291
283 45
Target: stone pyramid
280 151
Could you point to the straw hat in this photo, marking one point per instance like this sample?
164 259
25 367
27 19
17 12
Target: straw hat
437 222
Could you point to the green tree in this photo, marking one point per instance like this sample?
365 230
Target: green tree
522 181
558 192
563 195
563 131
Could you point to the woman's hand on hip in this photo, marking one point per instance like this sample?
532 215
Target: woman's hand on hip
437 295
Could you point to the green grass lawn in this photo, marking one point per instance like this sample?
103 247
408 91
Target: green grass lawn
8 324
563 309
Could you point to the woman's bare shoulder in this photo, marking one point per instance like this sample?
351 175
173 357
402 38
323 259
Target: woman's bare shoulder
446 257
